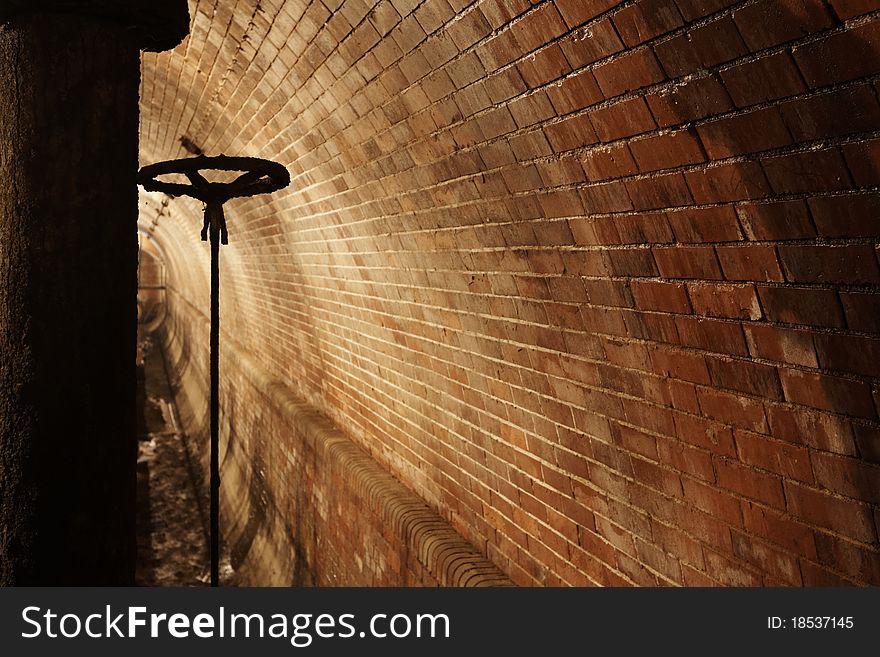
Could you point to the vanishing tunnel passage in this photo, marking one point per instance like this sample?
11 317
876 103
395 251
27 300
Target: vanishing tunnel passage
562 292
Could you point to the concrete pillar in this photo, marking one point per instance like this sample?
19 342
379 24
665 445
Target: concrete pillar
69 76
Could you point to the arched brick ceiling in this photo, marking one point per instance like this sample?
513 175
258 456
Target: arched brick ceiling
546 259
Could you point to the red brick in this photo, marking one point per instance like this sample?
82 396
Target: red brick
852 519
607 162
633 70
738 181
749 263
779 529
744 376
852 264
812 428
529 110
650 417
646 19
503 85
675 541
749 482
683 396
755 131
788 460
522 179
852 8
632 262
667 565
608 293
853 560
660 479
712 335
847 476
720 300
662 191
540 299
576 12
667 150
717 503
830 393
811 171
689 101
693 9
623 119
697 579
814 575
840 112
488 126
700 48
651 326
761 80
574 93
529 145
563 203
717 224
680 364
849 353
567 288
735 410
538 28
730 572
776 220
618 536
770 22
666 297
801 305
468 29
638 572
687 262
606 197
642 228
592 43
863 160
627 354
862 310
543 66
705 434
781 345
686 459
853 215
841 56
767 559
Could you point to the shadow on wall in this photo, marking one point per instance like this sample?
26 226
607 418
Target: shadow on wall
263 527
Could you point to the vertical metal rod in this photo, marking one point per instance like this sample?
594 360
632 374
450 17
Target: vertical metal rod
259 176
215 402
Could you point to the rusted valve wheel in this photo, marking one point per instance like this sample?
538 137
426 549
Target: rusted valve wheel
258 177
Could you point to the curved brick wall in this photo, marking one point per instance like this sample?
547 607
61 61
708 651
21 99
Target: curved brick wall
598 280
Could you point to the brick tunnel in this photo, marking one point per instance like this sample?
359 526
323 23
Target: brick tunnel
562 292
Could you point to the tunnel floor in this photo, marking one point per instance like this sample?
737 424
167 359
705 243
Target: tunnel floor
171 514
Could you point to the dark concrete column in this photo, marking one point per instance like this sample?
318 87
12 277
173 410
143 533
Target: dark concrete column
69 76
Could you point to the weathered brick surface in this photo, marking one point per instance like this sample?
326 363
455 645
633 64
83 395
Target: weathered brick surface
598 280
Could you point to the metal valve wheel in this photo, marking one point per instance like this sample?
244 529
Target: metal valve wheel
259 177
